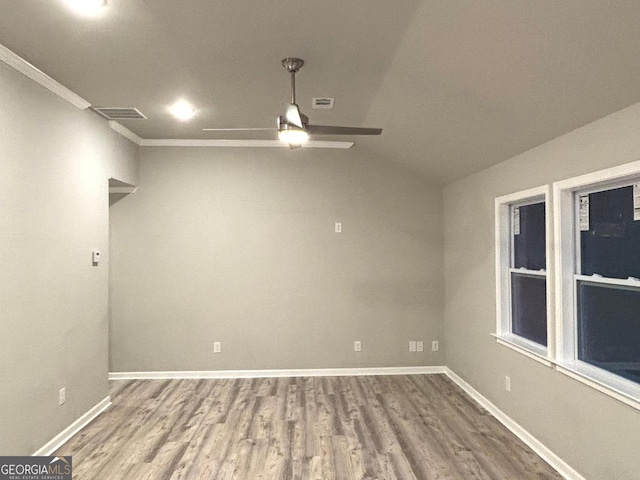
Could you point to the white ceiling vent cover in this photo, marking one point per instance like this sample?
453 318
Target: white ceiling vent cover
323 102
119 113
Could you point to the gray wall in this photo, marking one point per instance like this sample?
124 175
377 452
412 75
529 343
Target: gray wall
55 161
238 246
597 435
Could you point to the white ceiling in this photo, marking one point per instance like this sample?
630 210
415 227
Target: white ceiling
457 85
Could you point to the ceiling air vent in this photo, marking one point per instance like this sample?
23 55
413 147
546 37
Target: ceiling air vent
119 113
323 102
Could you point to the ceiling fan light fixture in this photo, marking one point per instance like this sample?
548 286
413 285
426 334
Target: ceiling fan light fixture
293 136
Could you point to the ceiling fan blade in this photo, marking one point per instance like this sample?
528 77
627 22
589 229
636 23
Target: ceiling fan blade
331 130
293 115
237 129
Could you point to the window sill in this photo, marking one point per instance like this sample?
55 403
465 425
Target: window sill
617 387
524 347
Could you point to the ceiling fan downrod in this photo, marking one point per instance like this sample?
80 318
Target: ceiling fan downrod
293 65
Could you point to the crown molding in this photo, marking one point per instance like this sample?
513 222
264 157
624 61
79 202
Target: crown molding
168 142
125 132
24 67
177 142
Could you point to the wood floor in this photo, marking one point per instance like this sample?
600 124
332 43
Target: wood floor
342 428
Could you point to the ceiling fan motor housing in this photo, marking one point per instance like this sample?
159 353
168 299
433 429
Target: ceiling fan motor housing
283 124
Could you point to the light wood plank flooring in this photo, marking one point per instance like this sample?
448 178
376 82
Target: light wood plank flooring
324 428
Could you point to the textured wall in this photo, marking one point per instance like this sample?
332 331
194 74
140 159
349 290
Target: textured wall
238 246
594 433
55 163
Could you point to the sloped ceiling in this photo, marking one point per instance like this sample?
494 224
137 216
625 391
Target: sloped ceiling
457 85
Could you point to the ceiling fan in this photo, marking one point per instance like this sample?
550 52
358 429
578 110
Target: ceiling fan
293 127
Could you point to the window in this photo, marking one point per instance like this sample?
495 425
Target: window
598 283
521 271
607 281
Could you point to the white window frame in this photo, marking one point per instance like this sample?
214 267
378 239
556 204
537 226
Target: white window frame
504 253
566 241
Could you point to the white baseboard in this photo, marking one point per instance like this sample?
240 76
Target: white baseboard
62 438
545 453
323 372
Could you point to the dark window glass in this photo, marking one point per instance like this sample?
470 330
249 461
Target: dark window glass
609 328
529 307
611 247
529 245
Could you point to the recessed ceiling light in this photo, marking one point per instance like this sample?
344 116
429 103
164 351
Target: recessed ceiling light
88 8
182 110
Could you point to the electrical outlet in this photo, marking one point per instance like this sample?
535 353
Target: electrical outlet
412 346
420 346
357 346
217 347
507 383
435 346
338 227
62 396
